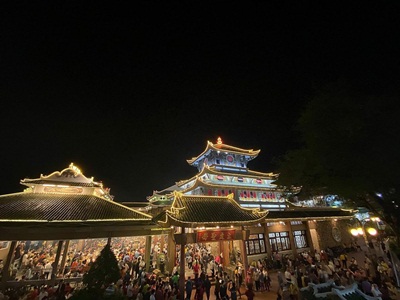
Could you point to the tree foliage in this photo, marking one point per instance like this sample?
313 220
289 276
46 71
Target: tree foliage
102 273
350 147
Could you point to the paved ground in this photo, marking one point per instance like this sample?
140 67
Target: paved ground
272 294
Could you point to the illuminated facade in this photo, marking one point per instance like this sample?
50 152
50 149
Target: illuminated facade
287 228
242 212
60 215
222 170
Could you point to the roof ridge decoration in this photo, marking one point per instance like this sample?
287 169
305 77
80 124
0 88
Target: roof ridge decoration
70 174
201 209
220 146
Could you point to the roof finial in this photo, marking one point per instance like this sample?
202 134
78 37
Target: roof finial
219 141
75 169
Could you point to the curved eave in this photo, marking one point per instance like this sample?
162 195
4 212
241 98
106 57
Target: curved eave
173 221
222 147
249 173
309 214
272 219
8 222
74 230
35 207
210 210
195 177
200 182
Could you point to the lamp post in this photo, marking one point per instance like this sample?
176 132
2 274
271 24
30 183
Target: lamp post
365 231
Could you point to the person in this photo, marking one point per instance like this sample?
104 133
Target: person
366 286
249 292
207 286
196 268
293 290
233 291
188 288
385 293
267 280
343 259
139 295
129 290
200 291
375 290
153 294
383 246
217 288
223 290
60 292
43 293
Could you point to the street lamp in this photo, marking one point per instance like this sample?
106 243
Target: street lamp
363 230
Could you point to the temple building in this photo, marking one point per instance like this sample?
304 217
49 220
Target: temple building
65 219
287 229
236 215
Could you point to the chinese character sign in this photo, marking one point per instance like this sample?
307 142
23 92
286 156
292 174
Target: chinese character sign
215 235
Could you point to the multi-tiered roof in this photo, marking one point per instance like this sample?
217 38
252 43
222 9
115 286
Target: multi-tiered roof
222 170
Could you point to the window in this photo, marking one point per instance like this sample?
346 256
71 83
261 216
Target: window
300 239
296 222
279 241
255 244
3 244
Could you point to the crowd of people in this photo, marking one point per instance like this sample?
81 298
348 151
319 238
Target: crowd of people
374 275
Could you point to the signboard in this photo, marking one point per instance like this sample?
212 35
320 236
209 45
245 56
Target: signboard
215 235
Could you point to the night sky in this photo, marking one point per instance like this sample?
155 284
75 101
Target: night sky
129 93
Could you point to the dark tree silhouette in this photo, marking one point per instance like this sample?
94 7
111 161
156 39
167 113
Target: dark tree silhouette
102 273
350 147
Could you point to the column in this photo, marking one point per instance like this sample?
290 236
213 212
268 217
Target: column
291 239
147 252
6 268
309 238
64 258
267 244
182 265
170 264
54 271
245 260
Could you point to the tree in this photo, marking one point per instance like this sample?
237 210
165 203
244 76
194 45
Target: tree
102 273
350 143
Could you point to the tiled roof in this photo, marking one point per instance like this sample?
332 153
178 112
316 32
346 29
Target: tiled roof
204 210
40 181
41 207
310 213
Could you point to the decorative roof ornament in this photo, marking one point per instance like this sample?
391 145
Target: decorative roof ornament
219 142
76 170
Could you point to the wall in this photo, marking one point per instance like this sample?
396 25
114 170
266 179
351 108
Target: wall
325 233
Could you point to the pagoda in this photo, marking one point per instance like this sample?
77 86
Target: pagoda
223 170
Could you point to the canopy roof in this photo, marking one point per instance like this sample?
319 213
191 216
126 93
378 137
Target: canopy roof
200 210
67 205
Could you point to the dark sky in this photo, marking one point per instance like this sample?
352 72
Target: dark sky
130 92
